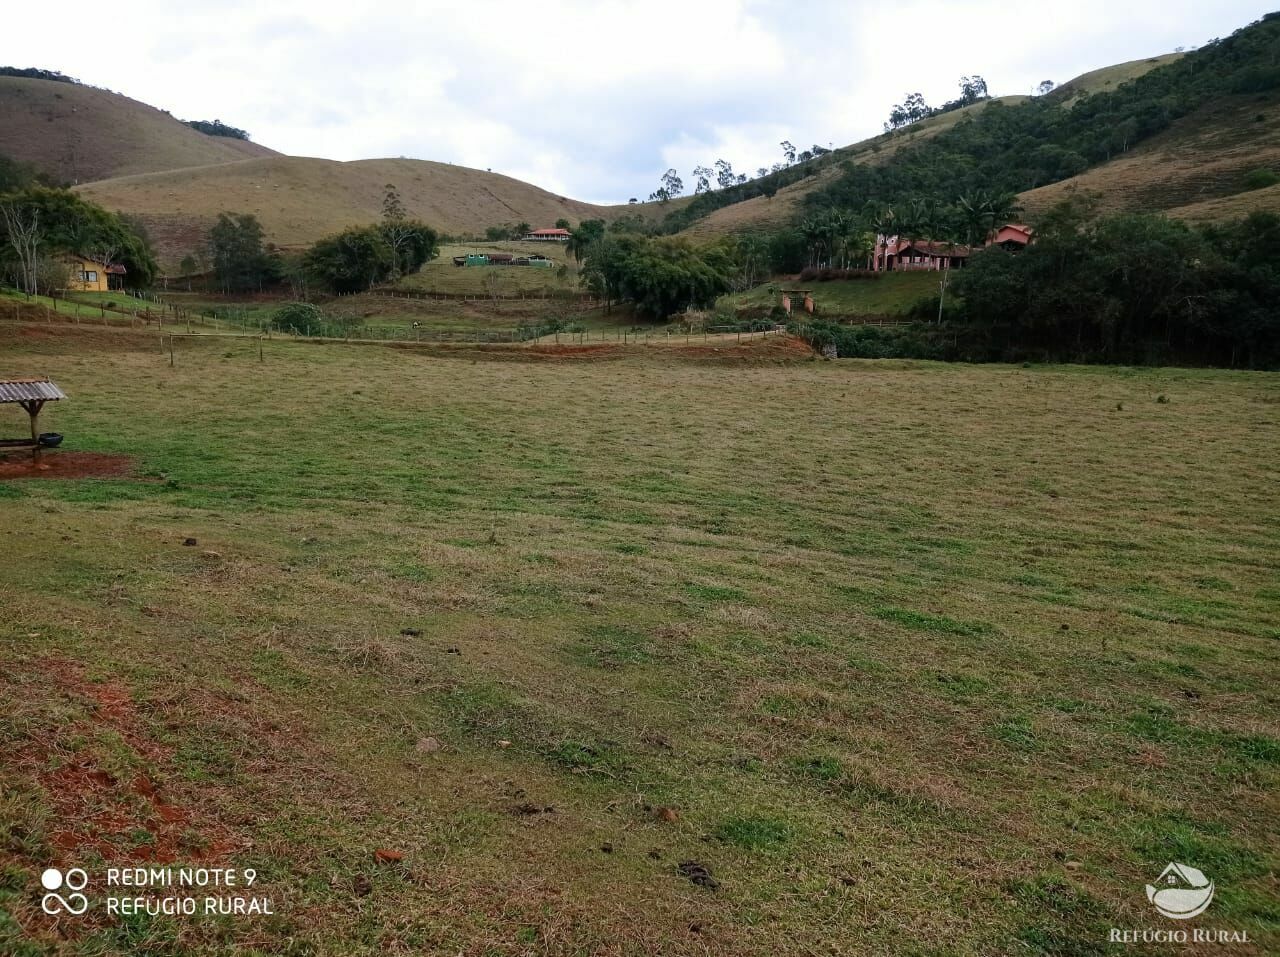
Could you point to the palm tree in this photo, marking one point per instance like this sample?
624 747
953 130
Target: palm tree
974 216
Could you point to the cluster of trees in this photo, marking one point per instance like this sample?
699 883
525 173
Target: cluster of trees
973 89
509 231
1129 288
624 261
838 237
40 226
659 276
1132 288
241 260
352 260
724 177
968 219
1011 149
33 73
15 176
217 128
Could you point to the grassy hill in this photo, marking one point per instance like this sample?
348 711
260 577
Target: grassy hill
81 133
176 180
1195 170
1109 78
760 212
300 200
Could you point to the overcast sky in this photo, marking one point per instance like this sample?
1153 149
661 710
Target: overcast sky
589 98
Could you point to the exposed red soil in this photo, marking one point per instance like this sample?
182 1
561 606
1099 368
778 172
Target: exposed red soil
83 333
95 809
55 464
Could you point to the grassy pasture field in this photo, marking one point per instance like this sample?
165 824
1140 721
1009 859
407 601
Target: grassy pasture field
440 275
893 294
640 656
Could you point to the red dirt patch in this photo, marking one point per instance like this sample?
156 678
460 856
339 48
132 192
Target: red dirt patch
94 808
66 465
55 332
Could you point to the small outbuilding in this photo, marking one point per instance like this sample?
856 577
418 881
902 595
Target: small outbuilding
30 395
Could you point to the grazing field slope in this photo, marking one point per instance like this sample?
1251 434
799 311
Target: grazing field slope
1196 169
300 200
636 656
80 133
1109 78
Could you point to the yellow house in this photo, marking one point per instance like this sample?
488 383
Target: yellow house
86 274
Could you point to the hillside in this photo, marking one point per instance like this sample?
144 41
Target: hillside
1109 78
1195 170
80 133
299 200
761 212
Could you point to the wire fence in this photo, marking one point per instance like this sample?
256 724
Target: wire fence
170 319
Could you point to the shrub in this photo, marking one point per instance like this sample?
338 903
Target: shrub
1261 179
299 318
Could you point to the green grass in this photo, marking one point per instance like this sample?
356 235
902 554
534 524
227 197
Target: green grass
442 276
559 632
893 294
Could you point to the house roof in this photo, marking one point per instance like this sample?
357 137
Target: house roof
549 232
114 269
935 249
27 390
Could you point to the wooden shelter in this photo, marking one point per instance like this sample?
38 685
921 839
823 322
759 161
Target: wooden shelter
31 395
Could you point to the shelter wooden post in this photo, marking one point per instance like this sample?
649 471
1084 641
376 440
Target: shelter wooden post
30 395
32 408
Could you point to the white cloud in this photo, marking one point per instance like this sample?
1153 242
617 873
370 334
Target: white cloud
590 99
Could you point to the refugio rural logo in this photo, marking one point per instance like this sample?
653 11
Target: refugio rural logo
1179 893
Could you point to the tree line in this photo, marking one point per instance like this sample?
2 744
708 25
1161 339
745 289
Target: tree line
217 128
41 226
1015 148
913 109
1131 288
353 260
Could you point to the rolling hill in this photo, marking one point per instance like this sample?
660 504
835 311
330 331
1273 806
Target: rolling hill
135 159
78 133
300 200
1194 170
762 213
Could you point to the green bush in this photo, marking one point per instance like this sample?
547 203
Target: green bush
1261 179
299 318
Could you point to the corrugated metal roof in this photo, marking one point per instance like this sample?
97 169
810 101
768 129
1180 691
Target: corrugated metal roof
24 390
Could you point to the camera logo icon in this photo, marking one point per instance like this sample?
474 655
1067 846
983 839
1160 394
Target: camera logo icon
74 880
